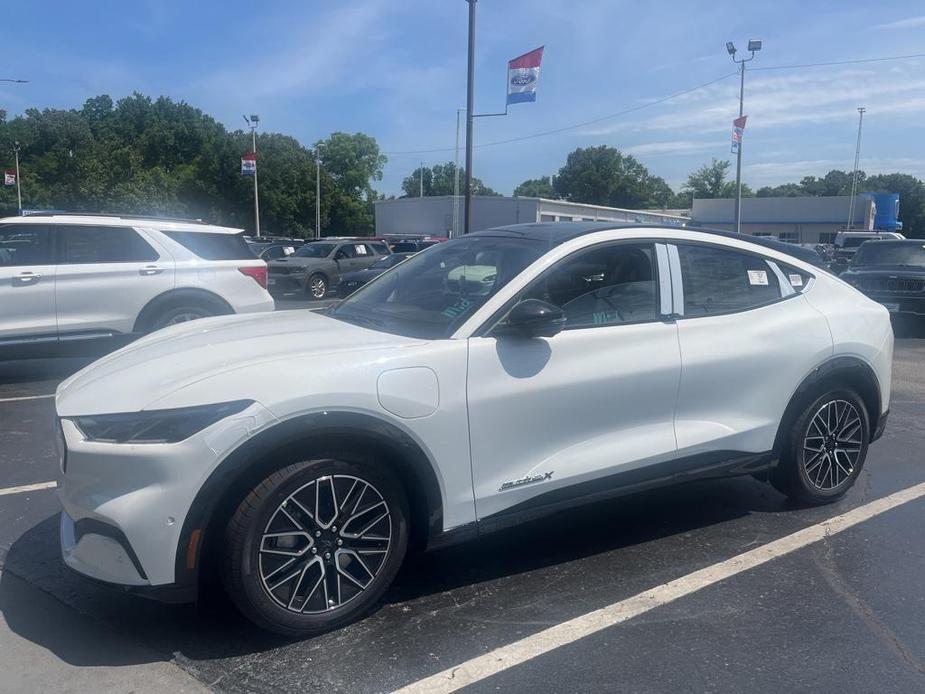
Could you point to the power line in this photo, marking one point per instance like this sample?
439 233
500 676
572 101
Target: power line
616 114
841 62
655 102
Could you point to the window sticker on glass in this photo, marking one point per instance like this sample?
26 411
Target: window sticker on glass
360 249
288 250
796 280
757 277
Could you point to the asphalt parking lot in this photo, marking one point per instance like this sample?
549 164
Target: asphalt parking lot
844 612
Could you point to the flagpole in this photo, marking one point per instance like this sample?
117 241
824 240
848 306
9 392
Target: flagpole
18 189
456 178
470 109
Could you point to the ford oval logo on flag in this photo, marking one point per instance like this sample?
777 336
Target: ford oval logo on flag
523 79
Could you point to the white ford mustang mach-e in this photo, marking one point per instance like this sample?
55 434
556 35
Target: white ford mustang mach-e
487 380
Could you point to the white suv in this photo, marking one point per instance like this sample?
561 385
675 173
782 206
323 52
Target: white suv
71 277
488 380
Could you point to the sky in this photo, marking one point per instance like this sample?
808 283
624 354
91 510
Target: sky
396 70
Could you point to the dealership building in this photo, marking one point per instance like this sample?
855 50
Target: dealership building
434 216
801 220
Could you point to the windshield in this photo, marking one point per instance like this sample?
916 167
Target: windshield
432 294
887 253
315 250
854 242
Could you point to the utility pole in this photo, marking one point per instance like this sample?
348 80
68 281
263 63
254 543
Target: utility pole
470 109
422 180
317 195
854 181
252 122
18 187
753 46
456 178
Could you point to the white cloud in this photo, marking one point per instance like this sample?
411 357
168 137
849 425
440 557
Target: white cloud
907 23
671 147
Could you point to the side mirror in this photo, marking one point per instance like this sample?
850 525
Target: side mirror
532 318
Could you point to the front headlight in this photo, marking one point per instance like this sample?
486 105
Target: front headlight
156 426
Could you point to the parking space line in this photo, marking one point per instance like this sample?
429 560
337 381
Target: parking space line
28 488
518 652
27 397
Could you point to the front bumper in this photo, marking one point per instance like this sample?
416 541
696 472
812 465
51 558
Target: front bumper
898 302
124 504
280 285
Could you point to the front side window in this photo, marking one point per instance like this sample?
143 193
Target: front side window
103 244
604 285
431 294
721 280
25 244
347 250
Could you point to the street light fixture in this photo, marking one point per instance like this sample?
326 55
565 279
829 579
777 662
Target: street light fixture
754 46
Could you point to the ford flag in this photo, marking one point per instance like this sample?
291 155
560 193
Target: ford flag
249 164
522 75
738 127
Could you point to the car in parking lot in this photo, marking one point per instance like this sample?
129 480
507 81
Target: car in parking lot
892 273
316 268
78 278
490 380
351 281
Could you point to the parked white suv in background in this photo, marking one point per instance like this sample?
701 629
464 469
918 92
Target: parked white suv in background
488 380
74 277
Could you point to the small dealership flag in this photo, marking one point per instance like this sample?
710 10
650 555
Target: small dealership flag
249 164
9 177
738 127
522 75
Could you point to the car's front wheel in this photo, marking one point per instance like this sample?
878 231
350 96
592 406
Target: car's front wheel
825 450
317 286
315 545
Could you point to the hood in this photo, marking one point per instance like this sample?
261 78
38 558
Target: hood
295 261
164 362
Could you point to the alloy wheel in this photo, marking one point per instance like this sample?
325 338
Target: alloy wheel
832 445
184 317
325 544
317 287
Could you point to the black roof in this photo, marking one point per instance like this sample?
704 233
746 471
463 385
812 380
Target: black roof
555 233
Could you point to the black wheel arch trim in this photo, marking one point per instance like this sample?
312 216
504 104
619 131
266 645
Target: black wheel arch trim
855 371
252 461
176 296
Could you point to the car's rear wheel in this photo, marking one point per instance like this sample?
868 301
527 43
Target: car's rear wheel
317 286
181 314
825 450
315 545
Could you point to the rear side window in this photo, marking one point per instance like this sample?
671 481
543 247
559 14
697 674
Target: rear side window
719 280
796 278
380 248
25 244
211 246
83 244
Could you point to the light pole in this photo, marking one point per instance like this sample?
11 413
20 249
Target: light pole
7 79
753 47
422 181
470 109
18 188
317 195
252 122
857 161
456 178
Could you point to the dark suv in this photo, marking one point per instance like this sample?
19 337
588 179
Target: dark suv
315 268
891 272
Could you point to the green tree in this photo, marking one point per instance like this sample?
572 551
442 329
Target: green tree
709 181
835 182
605 176
787 190
440 180
542 187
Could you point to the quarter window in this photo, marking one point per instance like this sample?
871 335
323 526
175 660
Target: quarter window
719 280
25 244
91 244
605 285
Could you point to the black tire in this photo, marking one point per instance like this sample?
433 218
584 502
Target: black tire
811 476
302 606
180 314
317 286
